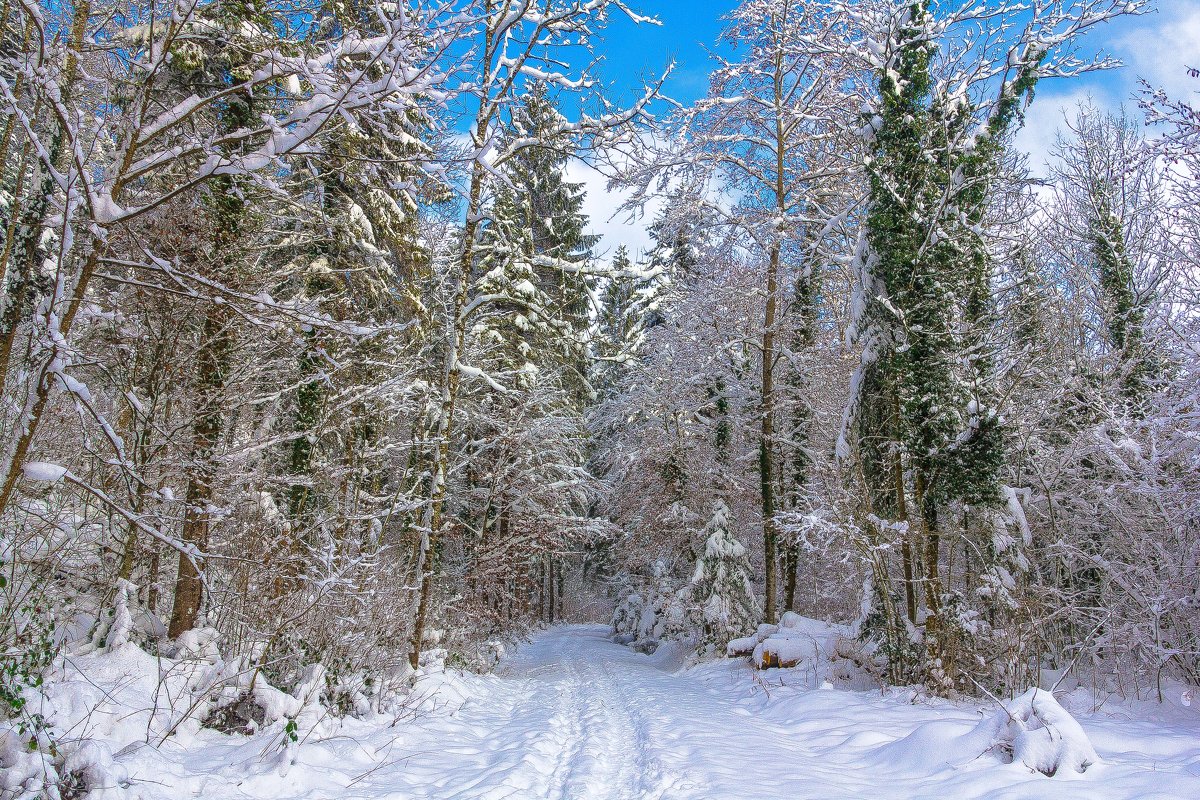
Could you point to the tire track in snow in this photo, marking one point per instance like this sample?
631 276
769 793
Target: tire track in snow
640 766
613 749
570 745
601 770
575 717
591 729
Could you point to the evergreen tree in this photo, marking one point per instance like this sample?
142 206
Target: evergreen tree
724 601
536 251
1125 312
936 152
361 261
617 325
672 261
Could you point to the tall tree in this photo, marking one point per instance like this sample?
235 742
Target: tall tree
773 132
1113 206
535 248
509 42
935 135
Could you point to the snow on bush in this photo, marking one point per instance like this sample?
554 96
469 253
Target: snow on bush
70 541
122 622
627 617
1036 731
43 471
658 613
716 604
90 771
725 603
25 773
664 614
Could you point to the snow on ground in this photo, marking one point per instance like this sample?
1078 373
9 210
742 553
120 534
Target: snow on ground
573 716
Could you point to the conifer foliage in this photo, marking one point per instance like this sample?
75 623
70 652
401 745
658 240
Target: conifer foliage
536 250
725 603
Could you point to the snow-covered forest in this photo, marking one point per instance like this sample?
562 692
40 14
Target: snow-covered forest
317 387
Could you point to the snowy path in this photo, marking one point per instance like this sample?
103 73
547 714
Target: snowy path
573 716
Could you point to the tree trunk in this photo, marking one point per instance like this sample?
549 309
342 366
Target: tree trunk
45 381
550 605
26 248
906 550
791 565
541 588
22 242
206 430
561 580
766 456
450 382
936 650
152 590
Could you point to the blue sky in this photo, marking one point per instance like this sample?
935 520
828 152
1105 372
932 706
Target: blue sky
1157 46
633 51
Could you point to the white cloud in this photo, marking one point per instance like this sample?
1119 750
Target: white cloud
1046 117
601 206
1162 46
1157 47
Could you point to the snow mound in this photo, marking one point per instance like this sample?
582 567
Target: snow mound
25 773
933 745
796 640
90 769
1035 730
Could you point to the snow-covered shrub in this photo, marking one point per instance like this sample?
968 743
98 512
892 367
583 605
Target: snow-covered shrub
664 613
856 661
716 605
655 612
90 772
627 617
28 646
114 629
26 773
724 603
1035 730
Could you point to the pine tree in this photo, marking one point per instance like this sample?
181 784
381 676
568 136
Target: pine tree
536 251
361 261
724 601
618 327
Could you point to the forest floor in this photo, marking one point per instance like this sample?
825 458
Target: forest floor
572 716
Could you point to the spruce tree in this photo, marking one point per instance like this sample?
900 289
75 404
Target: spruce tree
672 260
724 601
617 324
536 252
